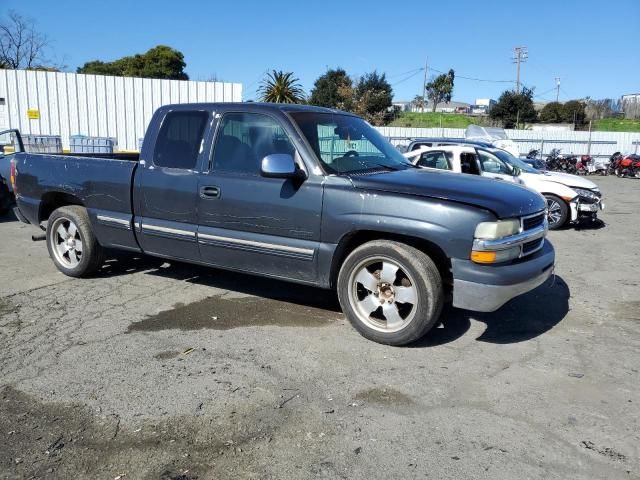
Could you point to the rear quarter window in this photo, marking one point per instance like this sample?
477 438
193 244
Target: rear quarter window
180 139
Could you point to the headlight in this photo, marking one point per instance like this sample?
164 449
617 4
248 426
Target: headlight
584 193
498 229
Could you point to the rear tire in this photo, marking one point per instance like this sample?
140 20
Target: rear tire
71 243
557 211
390 292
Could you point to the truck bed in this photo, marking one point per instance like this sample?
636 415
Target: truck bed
100 183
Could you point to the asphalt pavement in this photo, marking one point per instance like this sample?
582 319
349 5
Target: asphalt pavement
157 370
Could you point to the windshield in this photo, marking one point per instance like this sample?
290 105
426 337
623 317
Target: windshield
346 144
514 161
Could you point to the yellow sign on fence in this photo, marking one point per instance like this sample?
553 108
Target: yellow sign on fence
33 114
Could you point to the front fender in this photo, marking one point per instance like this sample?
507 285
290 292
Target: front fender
447 224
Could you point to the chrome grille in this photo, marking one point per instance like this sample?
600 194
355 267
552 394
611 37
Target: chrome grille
532 221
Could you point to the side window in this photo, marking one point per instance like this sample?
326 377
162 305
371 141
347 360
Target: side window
434 160
180 139
244 139
492 164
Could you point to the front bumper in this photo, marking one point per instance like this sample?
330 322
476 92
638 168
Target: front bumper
580 208
485 288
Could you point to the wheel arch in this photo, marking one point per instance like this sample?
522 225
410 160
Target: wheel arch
353 240
51 201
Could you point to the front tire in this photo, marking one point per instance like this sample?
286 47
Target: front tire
71 243
390 292
557 211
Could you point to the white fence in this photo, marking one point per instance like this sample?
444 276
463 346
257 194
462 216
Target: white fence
65 104
601 144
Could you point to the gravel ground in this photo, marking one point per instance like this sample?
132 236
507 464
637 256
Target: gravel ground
170 371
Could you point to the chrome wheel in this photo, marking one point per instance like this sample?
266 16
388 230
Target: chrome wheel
554 211
66 242
383 294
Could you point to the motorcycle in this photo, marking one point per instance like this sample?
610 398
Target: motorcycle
587 165
559 163
569 164
533 160
554 160
582 165
629 166
614 161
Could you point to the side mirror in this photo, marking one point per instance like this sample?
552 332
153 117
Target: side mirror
280 165
516 171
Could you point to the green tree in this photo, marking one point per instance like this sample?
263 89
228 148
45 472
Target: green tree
552 112
333 89
514 108
281 87
373 97
440 89
573 111
418 102
159 62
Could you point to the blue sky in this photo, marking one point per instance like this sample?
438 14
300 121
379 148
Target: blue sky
585 43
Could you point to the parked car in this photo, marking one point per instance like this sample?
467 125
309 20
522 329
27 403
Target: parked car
569 197
298 193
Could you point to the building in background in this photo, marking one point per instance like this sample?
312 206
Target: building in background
70 104
631 105
411 106
482 106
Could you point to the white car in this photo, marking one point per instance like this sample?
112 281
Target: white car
569 197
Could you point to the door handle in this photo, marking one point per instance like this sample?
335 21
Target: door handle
209 192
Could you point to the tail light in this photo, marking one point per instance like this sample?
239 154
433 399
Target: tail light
13 174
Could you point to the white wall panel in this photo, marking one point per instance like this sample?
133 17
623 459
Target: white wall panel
602 143
100 106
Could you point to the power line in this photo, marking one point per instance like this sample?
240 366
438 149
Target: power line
544 93
408 78
475 79
406 73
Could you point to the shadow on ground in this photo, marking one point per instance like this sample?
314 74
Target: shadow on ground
522 319
8 217
596 224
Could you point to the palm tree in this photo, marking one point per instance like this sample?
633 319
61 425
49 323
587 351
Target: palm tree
281 87
418 103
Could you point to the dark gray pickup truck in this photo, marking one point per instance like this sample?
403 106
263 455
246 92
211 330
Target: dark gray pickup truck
298 193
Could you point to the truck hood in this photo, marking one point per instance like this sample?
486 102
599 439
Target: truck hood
504 199
568 180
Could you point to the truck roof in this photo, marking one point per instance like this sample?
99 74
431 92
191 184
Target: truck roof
255 106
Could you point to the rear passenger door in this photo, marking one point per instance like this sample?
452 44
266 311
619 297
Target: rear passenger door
166 187
251 223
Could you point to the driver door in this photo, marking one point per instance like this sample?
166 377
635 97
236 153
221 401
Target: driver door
253 223
492 167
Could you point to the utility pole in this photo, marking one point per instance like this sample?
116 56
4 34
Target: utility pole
424 83
520 55
557 89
